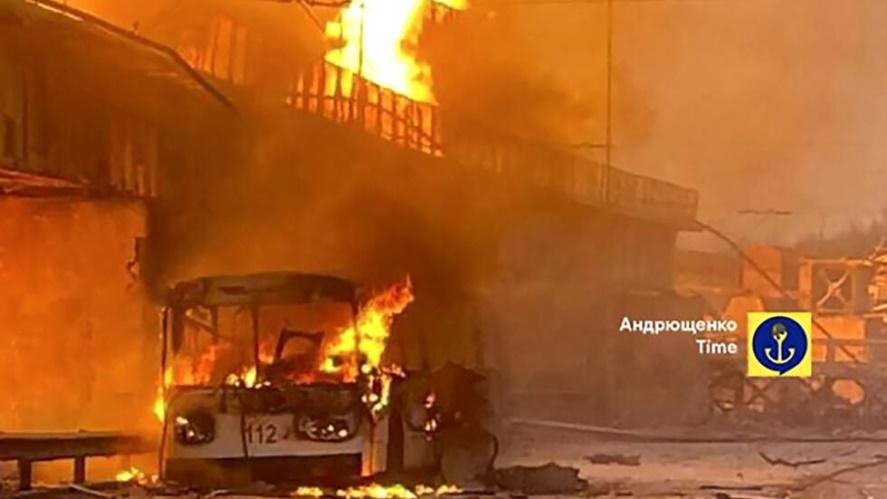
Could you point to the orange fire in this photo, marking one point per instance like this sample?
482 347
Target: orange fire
134 475
370 336
379 36
377 491
248 378
160 400
203 370
355 350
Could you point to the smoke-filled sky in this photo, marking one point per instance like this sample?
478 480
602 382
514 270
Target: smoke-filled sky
757 103
763 103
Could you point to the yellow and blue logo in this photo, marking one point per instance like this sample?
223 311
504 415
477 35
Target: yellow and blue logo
779 345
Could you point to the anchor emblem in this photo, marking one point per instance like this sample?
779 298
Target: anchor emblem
779 344
779 334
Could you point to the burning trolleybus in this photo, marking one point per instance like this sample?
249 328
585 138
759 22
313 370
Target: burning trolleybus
275 376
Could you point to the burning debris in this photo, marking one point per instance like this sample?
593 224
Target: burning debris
135 475
377 491
349 353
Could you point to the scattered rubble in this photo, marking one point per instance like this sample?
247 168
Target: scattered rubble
549 478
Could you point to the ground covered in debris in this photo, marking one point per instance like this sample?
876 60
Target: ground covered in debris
619 466
845 469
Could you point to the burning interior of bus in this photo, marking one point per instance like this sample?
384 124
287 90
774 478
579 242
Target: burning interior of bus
265 367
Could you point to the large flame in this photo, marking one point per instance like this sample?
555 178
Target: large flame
369 336
355 350
379 39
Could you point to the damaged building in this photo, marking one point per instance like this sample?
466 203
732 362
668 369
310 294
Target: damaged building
83 158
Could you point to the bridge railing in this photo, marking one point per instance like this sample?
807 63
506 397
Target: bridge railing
648 197
344 97
585 181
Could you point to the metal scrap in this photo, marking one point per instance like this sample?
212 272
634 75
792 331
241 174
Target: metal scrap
778 461
724 495
620 459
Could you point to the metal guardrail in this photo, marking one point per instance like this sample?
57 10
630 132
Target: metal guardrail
28 448
344 97
585 181
648 197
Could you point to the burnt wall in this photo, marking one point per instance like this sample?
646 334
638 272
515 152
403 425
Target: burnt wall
79 337
69 109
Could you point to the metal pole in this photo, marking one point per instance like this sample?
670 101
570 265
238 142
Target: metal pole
254 312
609 138
358 85
363 14
167 322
